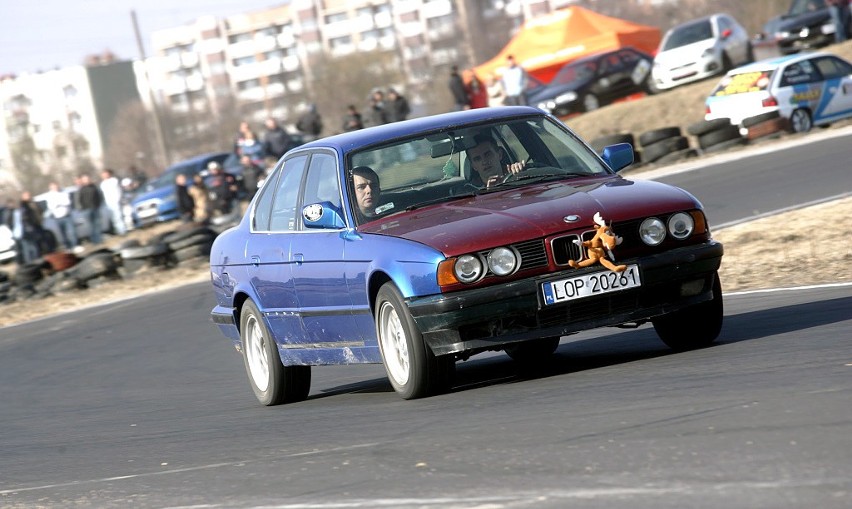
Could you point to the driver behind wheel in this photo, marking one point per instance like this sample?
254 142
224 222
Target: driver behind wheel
485 161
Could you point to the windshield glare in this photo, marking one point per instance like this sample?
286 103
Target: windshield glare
444 165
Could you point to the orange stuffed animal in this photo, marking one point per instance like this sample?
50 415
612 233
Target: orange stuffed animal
599 249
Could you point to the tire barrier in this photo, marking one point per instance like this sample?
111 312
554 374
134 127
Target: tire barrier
665 145
60 272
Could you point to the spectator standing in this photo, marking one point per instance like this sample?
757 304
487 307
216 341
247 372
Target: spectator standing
252 174
352 120
276 141
457 89
310 123
222 190
514 81
397 106
476 92
250 146
185 203
111 191
496 94
376 115
26 228
58 206
242 132
90 200
839 10
198 192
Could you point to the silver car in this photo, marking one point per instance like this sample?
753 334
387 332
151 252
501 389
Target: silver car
699 49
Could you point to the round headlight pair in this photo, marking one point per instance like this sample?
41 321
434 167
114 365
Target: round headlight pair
501 261
652 231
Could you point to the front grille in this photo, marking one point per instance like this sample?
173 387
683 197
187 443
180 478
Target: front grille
565 249
532 254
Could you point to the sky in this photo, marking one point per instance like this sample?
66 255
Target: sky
45 34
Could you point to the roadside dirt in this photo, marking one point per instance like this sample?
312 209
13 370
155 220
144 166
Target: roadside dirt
786 250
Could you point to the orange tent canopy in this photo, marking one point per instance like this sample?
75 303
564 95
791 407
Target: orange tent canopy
545 44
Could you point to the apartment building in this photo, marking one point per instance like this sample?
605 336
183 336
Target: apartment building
57 122
264 59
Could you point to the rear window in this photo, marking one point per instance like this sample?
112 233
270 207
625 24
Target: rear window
688 34
743 83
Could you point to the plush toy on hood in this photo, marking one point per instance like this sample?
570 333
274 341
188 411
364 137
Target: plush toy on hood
599 248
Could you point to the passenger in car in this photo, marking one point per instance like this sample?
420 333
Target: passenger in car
489 168
368 191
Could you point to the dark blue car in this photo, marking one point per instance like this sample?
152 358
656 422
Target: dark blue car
157 201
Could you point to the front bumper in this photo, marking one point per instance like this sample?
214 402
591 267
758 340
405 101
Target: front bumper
493 317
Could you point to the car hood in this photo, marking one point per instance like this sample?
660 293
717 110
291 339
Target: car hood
156 193
795 23
534 211
552 91
684 54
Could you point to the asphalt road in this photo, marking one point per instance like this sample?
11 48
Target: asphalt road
142 403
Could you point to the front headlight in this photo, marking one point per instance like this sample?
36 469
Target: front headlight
468 268
652 231
502 261
681 225
567 97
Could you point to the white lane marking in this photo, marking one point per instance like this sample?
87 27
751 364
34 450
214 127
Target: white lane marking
185 469
790 289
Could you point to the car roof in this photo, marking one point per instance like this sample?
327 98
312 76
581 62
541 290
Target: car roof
354 140
770 64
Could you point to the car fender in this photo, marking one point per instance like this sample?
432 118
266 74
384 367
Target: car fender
411 266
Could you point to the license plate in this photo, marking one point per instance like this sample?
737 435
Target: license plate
588 285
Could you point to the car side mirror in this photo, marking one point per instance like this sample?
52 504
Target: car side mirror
322 215
618 156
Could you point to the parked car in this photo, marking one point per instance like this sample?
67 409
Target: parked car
157 202
808 89
590 82
806 25
440 267
699 49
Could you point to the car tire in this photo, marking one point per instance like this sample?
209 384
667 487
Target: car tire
693 327
598 144
705 126
591 102
193 251
678 155
707 140
725 145
800 121
201 238
530 352
28 274
94 266
412 369
141 252
271 381
727 65
763 117
662 148
656 135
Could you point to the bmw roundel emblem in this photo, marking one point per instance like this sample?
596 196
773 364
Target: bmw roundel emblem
573 218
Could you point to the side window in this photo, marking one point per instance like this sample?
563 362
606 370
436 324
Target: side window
263 206
832 68
799 73
286 196
322 184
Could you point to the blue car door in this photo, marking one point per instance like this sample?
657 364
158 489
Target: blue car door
319 270
836 99
274 221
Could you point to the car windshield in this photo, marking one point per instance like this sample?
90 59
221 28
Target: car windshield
799 7
742 83
578 72
688 34
464 161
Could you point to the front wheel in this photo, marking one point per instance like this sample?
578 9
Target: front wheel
413 371
800 121
693 327
272 382
591 102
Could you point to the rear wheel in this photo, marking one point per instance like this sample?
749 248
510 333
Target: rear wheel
272 382
412 368
800 121
591 102
693 327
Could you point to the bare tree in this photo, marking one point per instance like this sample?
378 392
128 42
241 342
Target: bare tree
131 142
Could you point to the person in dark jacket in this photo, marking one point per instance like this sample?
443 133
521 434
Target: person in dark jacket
457 89
310 123
222 190
276 141
376 115
26 229
90 199
352 120
397 107
252 174
185 203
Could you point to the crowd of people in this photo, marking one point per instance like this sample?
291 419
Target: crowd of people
469 92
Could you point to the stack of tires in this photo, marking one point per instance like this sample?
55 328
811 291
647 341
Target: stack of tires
765 125
716 135
665 145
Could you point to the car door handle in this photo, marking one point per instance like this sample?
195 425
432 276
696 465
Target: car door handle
255 260
299 258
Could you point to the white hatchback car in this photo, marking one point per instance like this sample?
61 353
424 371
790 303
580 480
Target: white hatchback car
699 49
808 89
